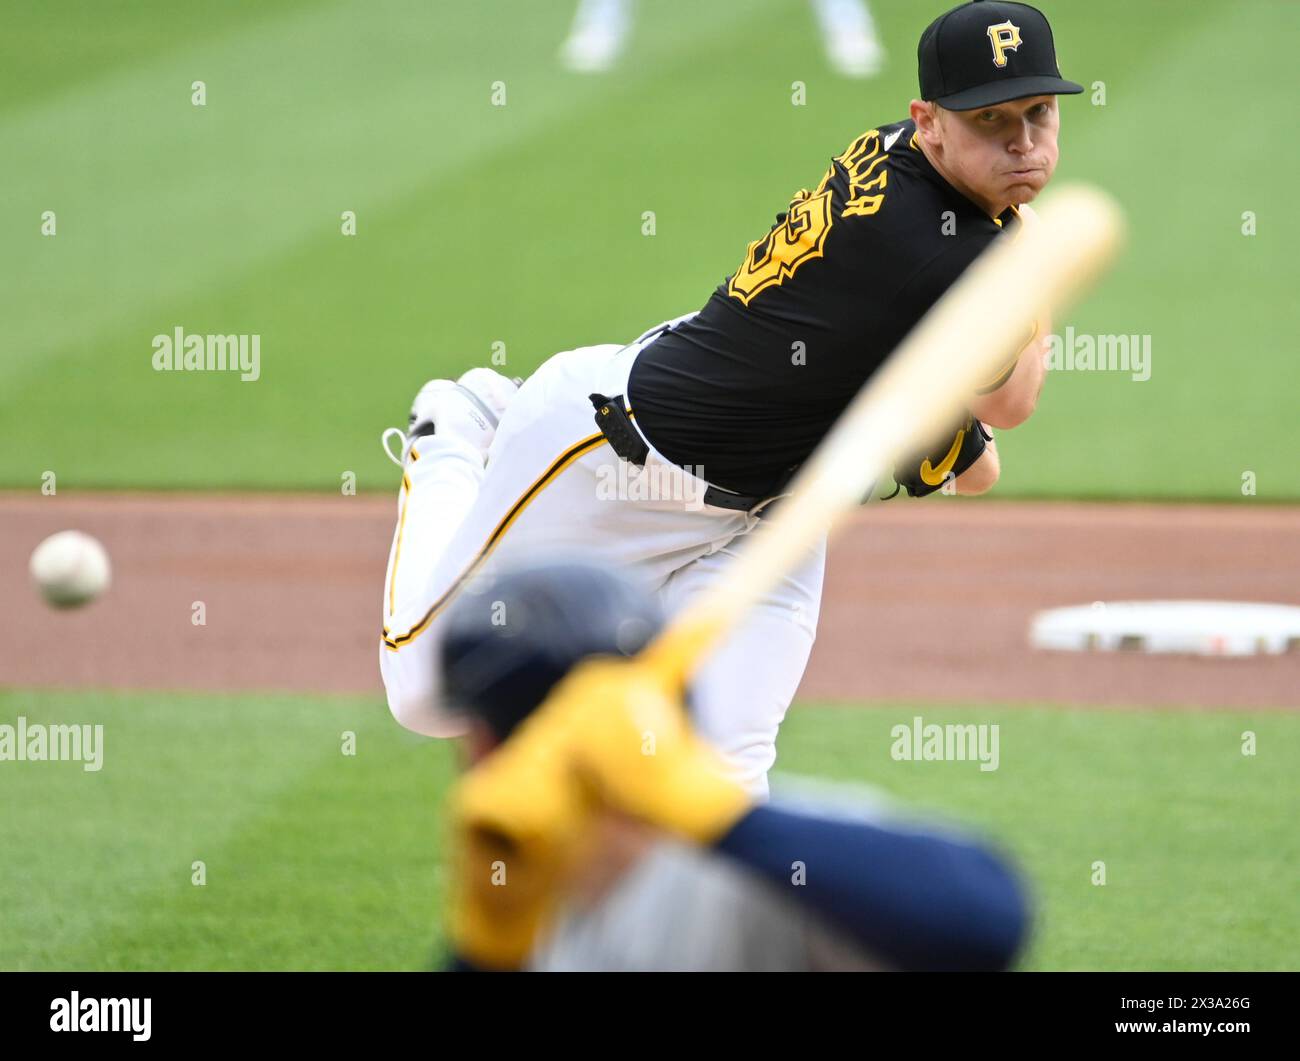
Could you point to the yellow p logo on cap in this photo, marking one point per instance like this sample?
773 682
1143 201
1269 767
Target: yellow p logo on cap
1005 38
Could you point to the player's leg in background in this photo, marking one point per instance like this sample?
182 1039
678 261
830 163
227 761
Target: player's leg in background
849 37
598 36
741 693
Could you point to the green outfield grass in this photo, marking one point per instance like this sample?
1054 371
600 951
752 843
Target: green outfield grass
522 224
317 860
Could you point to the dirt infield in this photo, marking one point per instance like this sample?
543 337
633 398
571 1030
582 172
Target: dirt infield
925 600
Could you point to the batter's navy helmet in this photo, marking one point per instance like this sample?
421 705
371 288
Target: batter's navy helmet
509 638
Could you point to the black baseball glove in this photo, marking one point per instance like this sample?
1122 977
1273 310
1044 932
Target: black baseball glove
926 471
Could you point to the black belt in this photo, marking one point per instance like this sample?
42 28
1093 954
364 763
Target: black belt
615 424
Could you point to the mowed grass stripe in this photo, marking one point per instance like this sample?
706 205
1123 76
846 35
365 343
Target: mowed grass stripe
86 852
341 106
340 869
536 242
350 326
1198 840
318 860
54 49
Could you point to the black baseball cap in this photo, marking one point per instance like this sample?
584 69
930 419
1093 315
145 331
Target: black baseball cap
986 52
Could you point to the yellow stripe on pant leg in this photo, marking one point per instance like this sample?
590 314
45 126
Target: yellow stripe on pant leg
573 453
397 549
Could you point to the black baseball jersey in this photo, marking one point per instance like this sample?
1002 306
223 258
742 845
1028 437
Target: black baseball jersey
745 390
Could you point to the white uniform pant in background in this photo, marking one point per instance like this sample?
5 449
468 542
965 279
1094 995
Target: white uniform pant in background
553 486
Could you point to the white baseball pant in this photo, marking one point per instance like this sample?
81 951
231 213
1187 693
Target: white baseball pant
553 485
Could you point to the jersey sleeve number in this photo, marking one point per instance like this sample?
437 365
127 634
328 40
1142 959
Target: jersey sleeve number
777 255
800 234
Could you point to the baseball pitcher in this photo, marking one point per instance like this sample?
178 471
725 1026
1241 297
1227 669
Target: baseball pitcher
663 455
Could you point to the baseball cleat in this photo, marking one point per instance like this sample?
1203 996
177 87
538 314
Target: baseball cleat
469 409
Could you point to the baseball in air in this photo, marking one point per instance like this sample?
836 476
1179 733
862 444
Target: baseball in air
70 569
